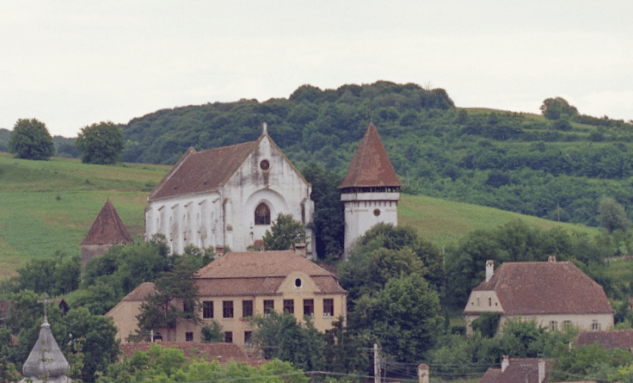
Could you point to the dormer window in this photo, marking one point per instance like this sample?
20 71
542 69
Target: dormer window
262 214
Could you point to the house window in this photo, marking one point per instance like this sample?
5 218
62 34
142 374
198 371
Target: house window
269 306
207 309
289 306
567 324
553 325
595 326
247 309
188 337
262 214
228 337
247 337
308 307
227 309
328 307
187 307
303 214
478 302
489 301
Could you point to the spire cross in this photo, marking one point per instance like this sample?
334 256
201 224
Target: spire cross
45 302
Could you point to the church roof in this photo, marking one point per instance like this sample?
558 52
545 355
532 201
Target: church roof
371 166
198 172
538 288
107 228
45 357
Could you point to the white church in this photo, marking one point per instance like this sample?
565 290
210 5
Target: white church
229 196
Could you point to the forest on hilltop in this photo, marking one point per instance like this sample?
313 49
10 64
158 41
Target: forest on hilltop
546 167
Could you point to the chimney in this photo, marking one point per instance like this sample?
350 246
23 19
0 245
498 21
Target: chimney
490 269
541 371
219 251
505 362
552 259
423 373
300 249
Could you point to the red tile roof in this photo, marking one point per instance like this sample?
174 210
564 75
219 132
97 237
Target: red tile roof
222 352
107 228
607 339
533 288
519 370
259 273
198 172
140 292
371 166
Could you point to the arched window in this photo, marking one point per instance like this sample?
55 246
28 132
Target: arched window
262 214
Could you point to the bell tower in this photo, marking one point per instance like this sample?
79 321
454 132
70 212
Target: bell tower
370 190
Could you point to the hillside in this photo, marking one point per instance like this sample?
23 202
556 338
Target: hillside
35 223
519 162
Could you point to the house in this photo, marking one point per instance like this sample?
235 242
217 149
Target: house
607 339
555 294
523 370
227 197
106 230
370 190
239 285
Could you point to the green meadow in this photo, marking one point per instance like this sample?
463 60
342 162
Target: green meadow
443 222
46 206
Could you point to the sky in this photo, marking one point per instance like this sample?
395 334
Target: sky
74 63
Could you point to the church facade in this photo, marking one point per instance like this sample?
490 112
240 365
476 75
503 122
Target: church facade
228 196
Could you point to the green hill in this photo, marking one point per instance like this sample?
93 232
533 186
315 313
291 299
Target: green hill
47 206
519 162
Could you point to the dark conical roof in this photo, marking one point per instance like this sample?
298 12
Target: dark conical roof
107 229
45 357
371 166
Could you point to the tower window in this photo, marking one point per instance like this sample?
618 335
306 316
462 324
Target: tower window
377 212
262 214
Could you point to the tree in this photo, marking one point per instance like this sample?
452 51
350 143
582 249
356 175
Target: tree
159 310
284 233
612 215
282 337
553 108
403 317
328 219
100 143
30 140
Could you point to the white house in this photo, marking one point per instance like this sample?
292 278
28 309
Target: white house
228 196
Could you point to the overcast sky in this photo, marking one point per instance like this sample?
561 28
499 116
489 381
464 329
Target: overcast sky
74 63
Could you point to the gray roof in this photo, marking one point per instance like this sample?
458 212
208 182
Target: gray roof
45 357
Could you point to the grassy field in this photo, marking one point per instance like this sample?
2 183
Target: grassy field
47 206
443 222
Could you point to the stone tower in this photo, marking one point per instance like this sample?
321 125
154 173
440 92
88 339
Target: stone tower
370 190
107 230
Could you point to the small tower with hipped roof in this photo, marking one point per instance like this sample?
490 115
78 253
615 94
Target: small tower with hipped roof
46 362
370 190
106 230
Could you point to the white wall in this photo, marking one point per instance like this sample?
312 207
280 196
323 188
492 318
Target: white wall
360 217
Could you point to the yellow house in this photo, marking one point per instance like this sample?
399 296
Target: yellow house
239 285
555 294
